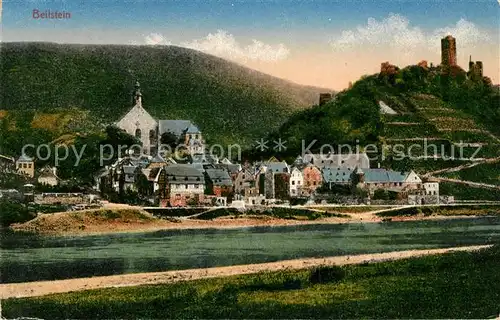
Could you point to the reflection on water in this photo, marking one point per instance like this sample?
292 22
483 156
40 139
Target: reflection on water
31 258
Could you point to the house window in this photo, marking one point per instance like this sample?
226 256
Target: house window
20 165
186 186
29 165
293 182
138 133
241 183
196 136
25 165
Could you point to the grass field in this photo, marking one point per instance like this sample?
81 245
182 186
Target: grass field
486 173
465 192
457 285
276 212
464 210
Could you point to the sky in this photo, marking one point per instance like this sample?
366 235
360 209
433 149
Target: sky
323 43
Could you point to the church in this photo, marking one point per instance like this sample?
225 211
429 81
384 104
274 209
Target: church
139 123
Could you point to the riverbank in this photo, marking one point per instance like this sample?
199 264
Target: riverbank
122 218
446 283
39 288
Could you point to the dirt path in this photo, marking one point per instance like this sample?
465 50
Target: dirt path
469 183
31 289
461 167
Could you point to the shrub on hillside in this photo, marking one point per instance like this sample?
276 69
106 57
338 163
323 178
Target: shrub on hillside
326 275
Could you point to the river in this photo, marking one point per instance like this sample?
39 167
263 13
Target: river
33 258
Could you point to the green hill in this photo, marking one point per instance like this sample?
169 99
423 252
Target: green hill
230 103
452 112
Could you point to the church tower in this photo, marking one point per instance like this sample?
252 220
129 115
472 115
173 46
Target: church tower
137 95
140 124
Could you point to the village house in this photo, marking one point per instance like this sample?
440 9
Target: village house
139 123
348 161
180 185
296 182
266 181
312 179
7 164
48 176
245 184
204 158
128 177
218 182
374 179
431 187
232 168
336 176
25 166
159 162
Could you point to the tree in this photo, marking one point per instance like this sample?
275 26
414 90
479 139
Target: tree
170 139
14 212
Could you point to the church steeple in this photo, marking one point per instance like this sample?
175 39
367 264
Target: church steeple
137 95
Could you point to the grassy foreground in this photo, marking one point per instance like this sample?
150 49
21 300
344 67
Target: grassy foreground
458 285
458 210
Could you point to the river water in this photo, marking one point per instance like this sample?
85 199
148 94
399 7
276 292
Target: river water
32 258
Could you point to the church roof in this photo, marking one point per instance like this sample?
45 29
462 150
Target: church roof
193 129
177 127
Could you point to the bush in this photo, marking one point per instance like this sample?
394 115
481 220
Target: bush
13 212
326 275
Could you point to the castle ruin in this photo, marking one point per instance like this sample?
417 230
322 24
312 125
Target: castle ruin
448 51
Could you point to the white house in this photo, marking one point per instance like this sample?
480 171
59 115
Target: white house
48 176
296 182
431 188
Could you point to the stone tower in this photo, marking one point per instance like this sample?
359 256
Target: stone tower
137 95
448 51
